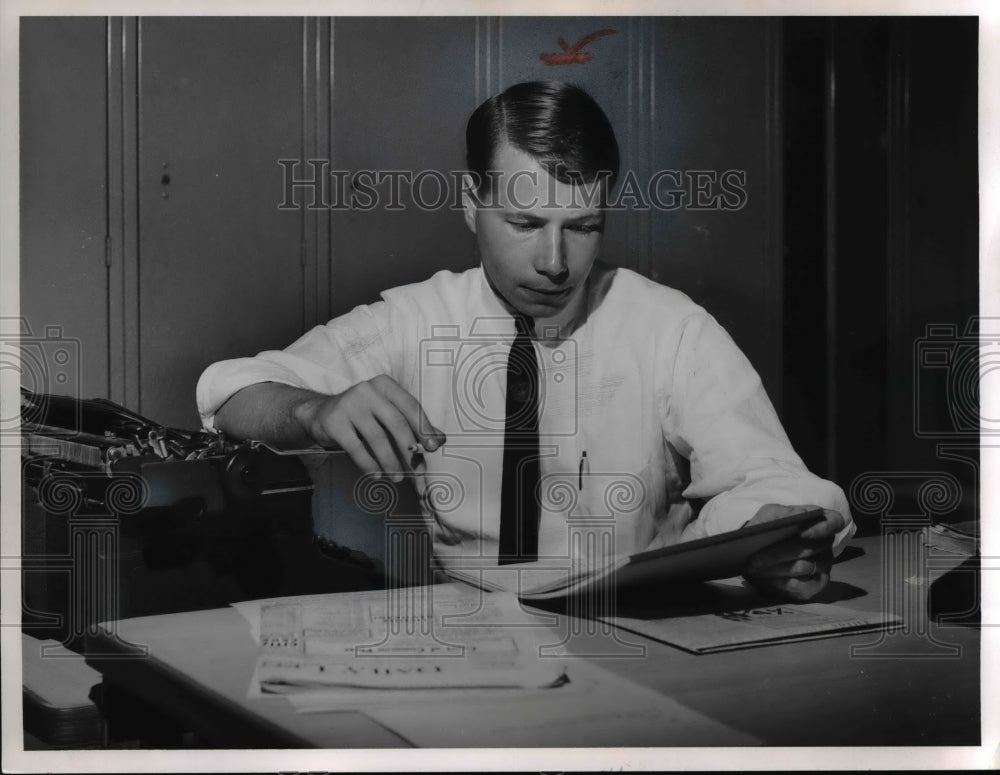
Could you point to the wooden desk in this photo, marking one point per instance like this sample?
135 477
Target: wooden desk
199 666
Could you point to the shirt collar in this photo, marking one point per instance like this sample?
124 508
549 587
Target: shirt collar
551 329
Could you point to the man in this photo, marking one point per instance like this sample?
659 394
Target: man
543 389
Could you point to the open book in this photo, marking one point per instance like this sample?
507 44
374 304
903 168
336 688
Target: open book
716 557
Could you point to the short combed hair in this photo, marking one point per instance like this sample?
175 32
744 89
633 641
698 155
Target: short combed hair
559 125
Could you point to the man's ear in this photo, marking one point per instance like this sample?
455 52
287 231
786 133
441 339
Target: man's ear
469 201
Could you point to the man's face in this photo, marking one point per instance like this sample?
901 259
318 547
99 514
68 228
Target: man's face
538 237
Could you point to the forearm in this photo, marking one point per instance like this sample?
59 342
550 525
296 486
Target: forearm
269 412
766 483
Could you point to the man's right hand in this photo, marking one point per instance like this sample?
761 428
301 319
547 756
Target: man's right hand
376 422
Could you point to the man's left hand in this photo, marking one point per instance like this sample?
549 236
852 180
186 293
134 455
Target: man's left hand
797 568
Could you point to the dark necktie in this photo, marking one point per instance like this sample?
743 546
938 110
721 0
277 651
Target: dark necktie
518 498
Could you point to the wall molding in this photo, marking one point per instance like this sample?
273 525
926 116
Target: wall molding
898 280
639 131
317 143
774 206
122 239
487 65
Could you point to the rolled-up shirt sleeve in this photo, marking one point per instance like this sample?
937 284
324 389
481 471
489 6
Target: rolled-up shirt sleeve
720 418
327 359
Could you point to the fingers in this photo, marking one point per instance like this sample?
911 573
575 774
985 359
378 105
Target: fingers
382 448
378 424
412 412
340 422
799 578
392 421
351 443
833 523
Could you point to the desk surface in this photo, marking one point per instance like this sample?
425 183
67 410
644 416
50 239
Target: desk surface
919 686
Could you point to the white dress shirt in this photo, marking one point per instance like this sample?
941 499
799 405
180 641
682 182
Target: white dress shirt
681 440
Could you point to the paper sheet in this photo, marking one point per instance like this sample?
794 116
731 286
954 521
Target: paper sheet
479 633
408 639
579 683
756 626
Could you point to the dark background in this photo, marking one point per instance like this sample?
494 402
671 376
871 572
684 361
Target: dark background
151 233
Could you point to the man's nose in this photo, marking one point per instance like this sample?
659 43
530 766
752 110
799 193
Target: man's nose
551 260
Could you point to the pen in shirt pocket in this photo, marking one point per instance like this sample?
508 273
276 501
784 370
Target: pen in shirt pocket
584 469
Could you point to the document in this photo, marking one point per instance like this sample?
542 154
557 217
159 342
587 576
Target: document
715 557
451 666
761 625
961 539
946 548
357 646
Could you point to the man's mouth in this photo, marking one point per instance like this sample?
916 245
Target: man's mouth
549 293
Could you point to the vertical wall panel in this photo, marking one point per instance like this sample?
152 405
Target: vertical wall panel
221 270
932 271
936 236
487 57
123 210
403 89
881 178
318 138
63 202
713 86
860 228
806 343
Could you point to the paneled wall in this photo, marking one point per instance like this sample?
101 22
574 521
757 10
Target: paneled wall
220 268
184 121
152 187
401 91
64 185
881 243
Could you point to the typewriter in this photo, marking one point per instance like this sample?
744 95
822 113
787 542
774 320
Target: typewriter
125 517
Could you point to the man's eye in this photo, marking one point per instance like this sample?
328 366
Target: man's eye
523 225
586 229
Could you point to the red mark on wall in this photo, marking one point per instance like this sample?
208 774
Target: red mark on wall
572 55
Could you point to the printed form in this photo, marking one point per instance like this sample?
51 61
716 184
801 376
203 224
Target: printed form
398 640
447 665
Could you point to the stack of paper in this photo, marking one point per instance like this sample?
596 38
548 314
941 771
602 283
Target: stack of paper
757 626
960 539
451 666
363 648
